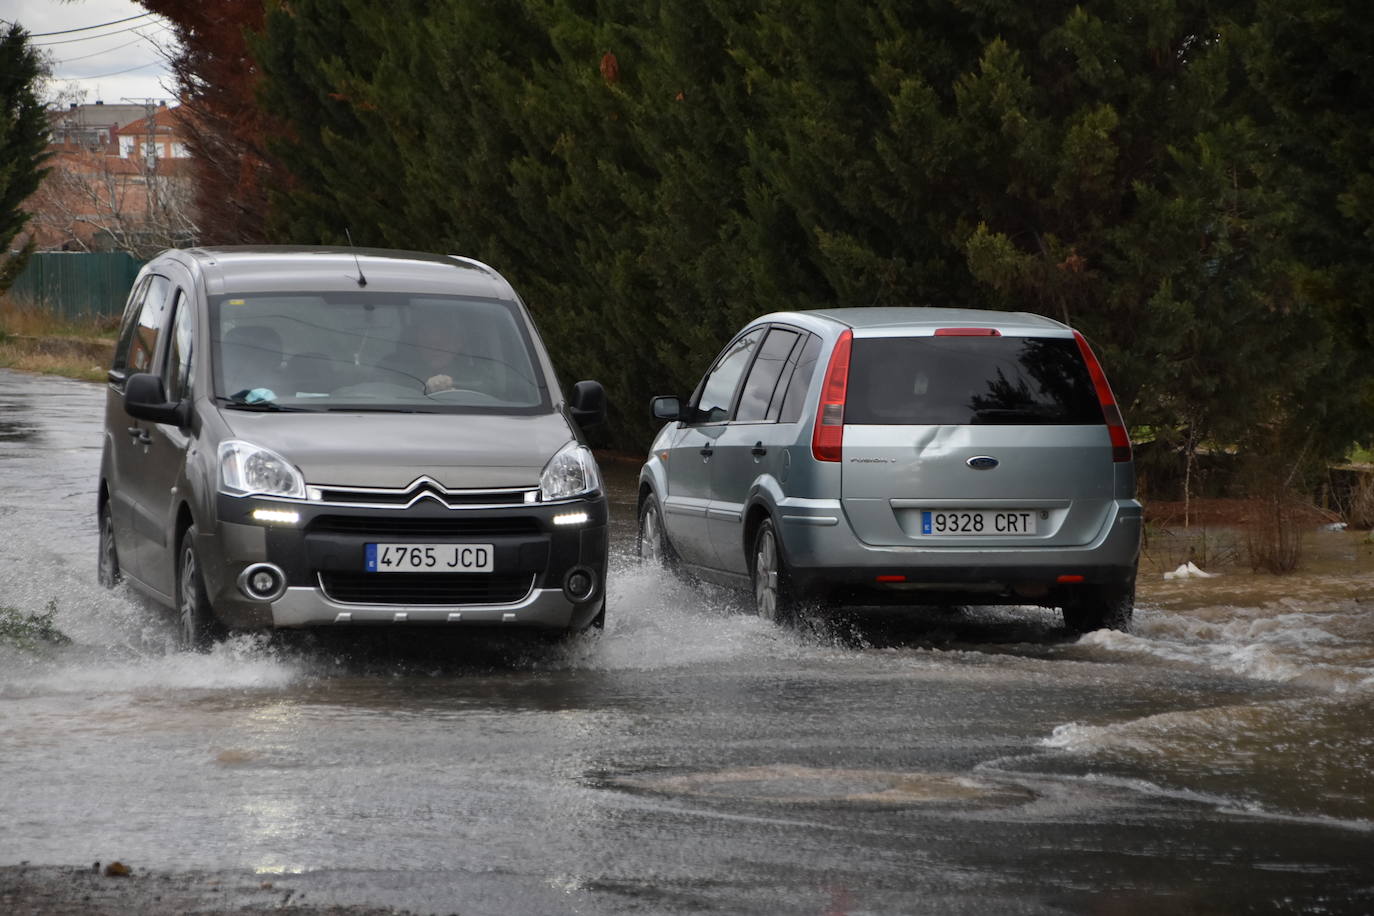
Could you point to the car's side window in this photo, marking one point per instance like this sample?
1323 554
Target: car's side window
801 381
148 328
718 388
764 374
176 373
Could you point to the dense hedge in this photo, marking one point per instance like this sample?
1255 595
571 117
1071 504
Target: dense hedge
1190 183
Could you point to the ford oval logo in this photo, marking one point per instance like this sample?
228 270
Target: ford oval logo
982 463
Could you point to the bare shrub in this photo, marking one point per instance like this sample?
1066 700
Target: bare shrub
1273 530
1360 512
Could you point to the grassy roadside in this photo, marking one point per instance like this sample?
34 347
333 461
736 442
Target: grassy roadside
34 340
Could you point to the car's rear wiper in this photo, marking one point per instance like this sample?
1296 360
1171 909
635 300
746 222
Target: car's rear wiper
1012 413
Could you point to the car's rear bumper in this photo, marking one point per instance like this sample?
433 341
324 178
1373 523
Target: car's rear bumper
826 559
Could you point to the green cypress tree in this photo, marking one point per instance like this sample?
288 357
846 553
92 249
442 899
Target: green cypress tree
23 145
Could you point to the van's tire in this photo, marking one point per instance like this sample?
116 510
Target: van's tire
197 625
1101 607
774 599
107 563
652 546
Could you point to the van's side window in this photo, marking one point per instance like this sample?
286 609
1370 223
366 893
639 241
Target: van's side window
148 328
128 324
801 381
763 375
177 373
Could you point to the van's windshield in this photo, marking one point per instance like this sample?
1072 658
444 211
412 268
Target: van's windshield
374 351
931 381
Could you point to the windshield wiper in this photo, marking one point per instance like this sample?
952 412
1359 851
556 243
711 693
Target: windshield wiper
240 404
375 410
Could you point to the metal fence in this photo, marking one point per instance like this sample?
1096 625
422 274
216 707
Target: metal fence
76 284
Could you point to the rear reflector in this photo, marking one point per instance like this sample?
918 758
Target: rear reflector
827 438
1069 579
1111 413
891 578
967 332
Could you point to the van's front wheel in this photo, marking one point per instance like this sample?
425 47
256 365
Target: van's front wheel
107 568
198 627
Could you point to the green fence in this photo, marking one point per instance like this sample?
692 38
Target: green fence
75 284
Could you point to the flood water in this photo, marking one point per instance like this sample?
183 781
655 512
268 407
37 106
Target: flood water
692 758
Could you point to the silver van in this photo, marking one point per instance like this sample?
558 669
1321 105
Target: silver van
914 456
325 437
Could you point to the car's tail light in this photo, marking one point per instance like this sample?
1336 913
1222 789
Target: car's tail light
827 439
1116 426
967 332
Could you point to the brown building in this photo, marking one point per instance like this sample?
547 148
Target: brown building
119 181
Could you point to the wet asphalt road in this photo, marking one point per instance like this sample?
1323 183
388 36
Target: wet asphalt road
689 759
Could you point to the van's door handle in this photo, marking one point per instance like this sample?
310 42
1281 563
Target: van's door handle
139 435
707 452
758 451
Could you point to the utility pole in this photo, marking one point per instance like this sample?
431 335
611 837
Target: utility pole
150 106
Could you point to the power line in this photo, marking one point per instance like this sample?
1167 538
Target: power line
67 41
99 76
126 44
87 28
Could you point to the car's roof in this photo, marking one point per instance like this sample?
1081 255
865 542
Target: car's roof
285 268
885 318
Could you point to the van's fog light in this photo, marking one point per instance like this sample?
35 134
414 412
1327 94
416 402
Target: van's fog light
571 518
579 584
262 582
276 516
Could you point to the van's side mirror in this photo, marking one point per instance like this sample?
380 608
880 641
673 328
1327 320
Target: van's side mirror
588 403
666 408
145 398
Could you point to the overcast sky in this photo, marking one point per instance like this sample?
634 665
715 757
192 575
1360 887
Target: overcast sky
115 62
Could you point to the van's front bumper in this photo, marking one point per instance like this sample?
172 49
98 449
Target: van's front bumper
826 559
546 608
322 559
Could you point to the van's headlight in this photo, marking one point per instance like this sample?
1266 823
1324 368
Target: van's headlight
571 472
247 469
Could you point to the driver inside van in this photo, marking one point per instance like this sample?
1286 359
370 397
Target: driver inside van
437 355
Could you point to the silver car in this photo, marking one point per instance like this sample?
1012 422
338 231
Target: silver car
316 437
914 456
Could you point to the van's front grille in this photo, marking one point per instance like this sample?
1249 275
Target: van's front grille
414 526
425 588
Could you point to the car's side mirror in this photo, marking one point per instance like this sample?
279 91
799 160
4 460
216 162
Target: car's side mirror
667 408
588 403
145 398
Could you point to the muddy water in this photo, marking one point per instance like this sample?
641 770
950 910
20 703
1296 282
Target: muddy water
692 758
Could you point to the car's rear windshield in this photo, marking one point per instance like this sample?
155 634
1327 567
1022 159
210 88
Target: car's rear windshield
1012 381
369 350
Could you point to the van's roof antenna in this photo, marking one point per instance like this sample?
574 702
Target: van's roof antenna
362 281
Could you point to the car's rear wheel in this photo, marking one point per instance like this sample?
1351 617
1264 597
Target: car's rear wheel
652 544
198 627
1104 607
107 565
773 598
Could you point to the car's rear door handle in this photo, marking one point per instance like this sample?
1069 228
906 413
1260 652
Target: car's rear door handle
758 451
139 435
